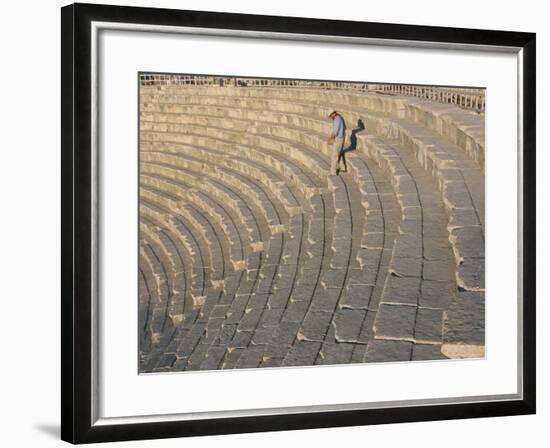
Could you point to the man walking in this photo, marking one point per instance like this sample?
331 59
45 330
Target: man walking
336 139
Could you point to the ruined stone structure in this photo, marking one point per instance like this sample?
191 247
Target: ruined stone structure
252 256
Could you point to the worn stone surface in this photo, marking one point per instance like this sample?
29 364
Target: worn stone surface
395 321
383 351
464 320
251 256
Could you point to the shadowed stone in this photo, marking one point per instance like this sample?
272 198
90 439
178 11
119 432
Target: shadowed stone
303 353
469 242
427 352
380 351
356 296
231 358
262 335
464 321
347 324
408 246
339 353
315 326
214 357
364 276
325 299
440 270
241 339
401 290
250 319
470 274
435 294
333 278
406 267
251 357
429 325
395 322
296 311
271 317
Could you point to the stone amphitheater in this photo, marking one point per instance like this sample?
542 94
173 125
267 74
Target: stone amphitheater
251 255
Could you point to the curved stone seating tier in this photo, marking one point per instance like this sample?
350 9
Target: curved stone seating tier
212 148
230 162
187 260
174 195
173 269
194 229
157 287
461 127
231 200
143 313
194 294
274 140
233 187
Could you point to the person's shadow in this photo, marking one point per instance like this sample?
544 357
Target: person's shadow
353 137
352 143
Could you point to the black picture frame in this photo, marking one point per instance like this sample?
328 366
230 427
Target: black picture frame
76 165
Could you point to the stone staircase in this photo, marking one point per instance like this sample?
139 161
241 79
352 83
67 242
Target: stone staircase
251 256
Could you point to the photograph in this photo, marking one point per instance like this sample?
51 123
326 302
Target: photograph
295 222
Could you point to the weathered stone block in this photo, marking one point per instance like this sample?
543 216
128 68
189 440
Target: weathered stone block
303 353
435 294
338 353
250 319
469 242
429 326
395 322
356 296
408 246
388 351
406 267
464 320
333 278
348 323
285 333
401 290
427 352
296 311
251 357
470 274
439 270
315 325
325 299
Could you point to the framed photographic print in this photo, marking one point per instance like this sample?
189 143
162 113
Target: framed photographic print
275 223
